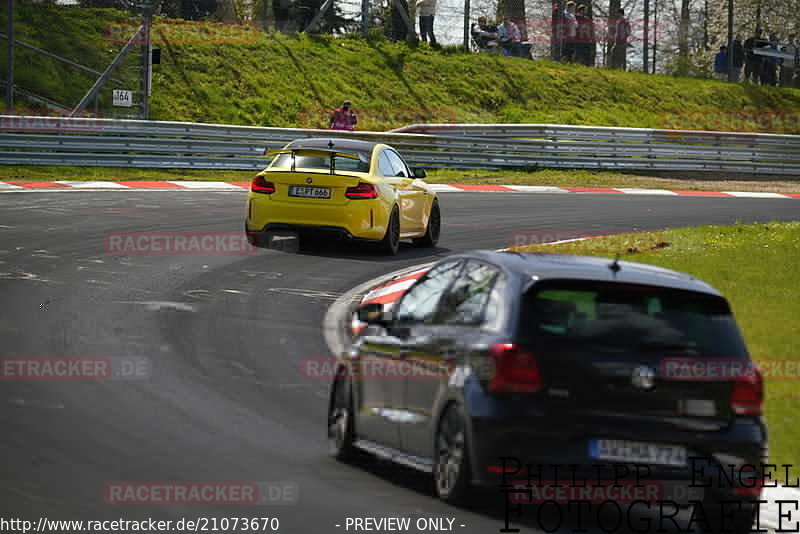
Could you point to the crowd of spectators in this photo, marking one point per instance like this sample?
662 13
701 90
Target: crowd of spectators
572 33
506 38
574 40
758 68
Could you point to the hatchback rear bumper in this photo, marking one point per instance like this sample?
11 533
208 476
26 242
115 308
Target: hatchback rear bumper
547 449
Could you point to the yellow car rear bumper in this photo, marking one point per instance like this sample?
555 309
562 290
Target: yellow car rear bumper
360 219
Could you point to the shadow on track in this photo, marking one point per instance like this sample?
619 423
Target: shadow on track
346 249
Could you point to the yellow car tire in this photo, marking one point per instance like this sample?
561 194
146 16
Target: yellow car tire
390 243
433 229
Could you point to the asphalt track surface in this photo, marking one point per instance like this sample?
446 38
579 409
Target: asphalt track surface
226 399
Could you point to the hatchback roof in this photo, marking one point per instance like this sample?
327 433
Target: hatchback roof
545 266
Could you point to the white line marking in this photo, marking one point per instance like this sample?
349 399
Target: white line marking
444 188
761 194
538 189
206 185
640 191
92 185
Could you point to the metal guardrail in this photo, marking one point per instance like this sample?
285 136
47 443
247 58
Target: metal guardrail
135 143
595 133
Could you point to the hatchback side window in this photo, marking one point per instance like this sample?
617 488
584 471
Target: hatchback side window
385 164
469 298
420 303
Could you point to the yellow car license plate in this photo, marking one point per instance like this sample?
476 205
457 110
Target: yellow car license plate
305 191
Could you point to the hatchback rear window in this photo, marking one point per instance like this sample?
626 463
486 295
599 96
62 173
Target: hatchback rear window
284 161
634 317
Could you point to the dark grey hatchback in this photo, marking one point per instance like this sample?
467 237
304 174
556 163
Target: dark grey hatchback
496 364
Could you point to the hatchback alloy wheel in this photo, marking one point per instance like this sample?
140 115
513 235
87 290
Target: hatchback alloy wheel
451 471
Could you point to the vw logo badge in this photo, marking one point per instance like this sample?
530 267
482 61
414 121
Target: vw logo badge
309 180
643 378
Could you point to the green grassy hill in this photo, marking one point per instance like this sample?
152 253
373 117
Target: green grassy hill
280 80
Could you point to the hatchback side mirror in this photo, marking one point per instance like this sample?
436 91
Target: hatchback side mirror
373 313
418 172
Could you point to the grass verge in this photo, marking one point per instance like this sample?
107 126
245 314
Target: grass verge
565 178
755 267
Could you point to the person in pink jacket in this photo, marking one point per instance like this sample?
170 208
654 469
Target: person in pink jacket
344 118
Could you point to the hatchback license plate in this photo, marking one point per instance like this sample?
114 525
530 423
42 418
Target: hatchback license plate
621 450
309 192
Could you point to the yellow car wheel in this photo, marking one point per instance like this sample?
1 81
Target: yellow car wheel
433 229
390 243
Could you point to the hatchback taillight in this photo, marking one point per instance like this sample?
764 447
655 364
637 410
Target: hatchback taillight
515 370
747 396
362 190
260 185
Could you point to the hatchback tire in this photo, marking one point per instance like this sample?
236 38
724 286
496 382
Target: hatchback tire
451 472
341 431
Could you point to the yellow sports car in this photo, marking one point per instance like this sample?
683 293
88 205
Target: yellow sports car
357 189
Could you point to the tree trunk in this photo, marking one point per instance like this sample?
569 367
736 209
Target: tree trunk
611 51
683 39
705 25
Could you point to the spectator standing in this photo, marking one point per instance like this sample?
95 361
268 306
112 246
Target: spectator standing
584 42
344 118
769 65
738 57
752 62
509 37
484 34
426 9
571 31
788 68
621 34
721 64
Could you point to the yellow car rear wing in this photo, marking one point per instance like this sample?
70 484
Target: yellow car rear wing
312 152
